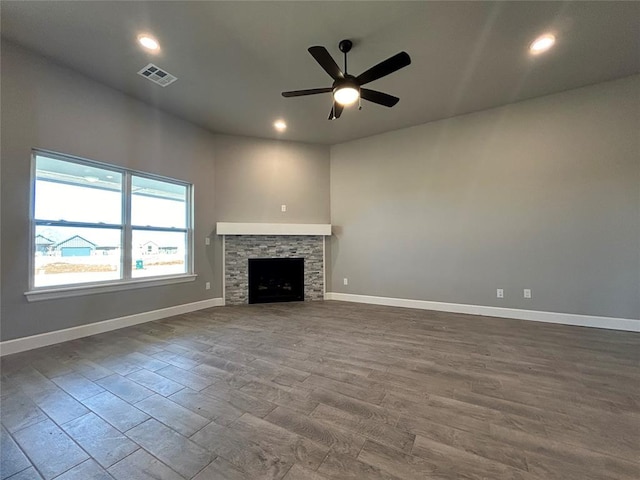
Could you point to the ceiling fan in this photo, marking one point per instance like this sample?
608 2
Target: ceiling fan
346 88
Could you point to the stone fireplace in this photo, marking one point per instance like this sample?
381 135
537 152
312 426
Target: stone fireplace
242 242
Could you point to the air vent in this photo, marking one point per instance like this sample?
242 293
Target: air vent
157 75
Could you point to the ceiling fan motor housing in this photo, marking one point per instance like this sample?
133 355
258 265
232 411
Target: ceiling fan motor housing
349 81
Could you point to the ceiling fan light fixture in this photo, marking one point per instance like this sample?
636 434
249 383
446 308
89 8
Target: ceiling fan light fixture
346 95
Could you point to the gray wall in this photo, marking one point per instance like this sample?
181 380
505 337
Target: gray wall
50 107
255 177
543 194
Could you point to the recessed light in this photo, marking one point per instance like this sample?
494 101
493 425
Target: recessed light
542 44
91 179
280 125
148 42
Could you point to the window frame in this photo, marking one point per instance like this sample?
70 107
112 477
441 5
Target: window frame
126 280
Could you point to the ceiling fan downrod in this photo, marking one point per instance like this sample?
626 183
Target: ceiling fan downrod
345 47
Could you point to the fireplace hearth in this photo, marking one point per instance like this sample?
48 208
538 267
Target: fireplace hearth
276 280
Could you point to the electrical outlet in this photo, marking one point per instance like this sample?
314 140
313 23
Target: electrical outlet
527 293
207 286
345 281
500 293
207 241
283 208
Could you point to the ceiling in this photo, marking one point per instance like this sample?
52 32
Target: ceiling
233 59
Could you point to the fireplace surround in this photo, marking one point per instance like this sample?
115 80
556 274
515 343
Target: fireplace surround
242 242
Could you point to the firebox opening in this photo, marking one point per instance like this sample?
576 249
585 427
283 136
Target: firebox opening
276 280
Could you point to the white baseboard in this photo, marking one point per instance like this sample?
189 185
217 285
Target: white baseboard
611 323
42 340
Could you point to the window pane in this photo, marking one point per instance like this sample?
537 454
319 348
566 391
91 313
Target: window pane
68 255
158 204
77 193
158 253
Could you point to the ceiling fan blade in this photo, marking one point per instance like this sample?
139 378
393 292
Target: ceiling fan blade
384 68
310 91
325 60
379 97
336 111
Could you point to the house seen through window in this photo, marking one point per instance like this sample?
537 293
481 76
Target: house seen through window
95 223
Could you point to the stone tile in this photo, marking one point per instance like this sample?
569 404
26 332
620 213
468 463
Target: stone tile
188 379
126 389
241 400
28 474
61 407
78 386
119 364
219 411
12 363
116 411
170 447
103 442
8 387
88 470
35 385
155 382
12 460
49 448
51 367
177 349
18 411
145 361
91 370
142 466
182 420
175 359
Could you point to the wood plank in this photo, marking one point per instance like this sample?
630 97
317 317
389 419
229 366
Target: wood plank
332 436
290 446
344 467
381 432
354 391
257 462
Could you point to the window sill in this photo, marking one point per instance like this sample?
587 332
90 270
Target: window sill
80 290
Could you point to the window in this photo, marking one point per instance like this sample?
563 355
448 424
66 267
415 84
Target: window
95 224
159 223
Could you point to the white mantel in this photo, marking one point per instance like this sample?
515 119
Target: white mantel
229 228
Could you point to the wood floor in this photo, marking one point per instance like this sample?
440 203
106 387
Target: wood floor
326 390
